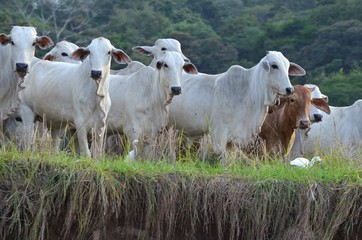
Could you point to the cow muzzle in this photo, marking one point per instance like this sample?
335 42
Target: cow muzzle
96 75
304 124
317 117
175 91
21 69
289 90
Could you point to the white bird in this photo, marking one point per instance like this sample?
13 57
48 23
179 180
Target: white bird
303 162
132 154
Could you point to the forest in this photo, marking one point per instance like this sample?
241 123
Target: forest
323 36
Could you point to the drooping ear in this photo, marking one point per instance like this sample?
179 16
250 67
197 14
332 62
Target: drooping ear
120 56
295 70
321 104
190 68
80 54
266 65
159 65
49 57
44 42
144 50
5 39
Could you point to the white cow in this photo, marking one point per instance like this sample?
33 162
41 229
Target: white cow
75 94
18 127
161 46
17 50
16 53
341 131
232 105
61 52
140 101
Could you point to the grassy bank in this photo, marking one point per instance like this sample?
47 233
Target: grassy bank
59 196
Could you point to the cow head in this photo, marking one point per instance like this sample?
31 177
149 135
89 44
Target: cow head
22 42
161 46
99 54
277 69
170 67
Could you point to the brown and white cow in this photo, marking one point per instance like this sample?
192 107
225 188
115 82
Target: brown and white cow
292 113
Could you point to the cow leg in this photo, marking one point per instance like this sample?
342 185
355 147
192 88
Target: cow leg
219 141
56 138
83 141
97 142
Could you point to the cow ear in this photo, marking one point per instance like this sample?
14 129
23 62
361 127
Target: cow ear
266 65
80 54
49 57
159 65
144 50
5 39
190 68
44 42
120 56
295 70
278 105
321 104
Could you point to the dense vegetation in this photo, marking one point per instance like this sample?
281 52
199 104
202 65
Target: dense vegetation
322 36
49 196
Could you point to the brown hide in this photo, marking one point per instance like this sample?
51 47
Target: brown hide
280 123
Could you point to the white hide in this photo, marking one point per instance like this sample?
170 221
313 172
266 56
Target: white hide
16 54
161 46
232 105
74 94
339 131
140 100
18 127
62 52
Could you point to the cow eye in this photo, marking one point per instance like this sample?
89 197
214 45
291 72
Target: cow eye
109 53
18 119
12 43
274 66
34 43
163 49
292 100
166 66
64 54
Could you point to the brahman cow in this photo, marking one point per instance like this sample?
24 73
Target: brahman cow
61 52
340 131
18 127
75 94
293 112
16 53
161 46
140 101
232 105
17 50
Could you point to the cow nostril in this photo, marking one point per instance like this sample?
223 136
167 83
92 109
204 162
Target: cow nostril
317 117
21 67
289 90
176 90
304 124
96 74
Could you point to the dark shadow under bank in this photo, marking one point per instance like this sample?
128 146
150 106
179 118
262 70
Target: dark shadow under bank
42 201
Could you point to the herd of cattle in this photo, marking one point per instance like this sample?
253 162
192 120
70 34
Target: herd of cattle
72 89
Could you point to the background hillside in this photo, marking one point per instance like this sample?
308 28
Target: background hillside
323 36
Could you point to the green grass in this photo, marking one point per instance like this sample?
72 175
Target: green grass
333 170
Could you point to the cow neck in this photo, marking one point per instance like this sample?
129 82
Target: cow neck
163 96
10 84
